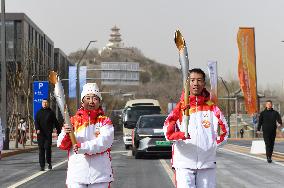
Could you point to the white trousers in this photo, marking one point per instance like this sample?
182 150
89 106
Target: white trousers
95 185
195 178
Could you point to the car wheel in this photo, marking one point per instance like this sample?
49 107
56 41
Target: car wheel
127 146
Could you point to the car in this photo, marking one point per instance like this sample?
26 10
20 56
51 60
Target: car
131 113
148 136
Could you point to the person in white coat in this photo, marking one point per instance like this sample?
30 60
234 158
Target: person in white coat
89 161
194 157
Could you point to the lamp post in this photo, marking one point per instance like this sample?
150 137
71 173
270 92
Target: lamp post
78 76
228 104
3 78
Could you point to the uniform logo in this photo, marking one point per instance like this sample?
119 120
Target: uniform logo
205 115
97 131
206 123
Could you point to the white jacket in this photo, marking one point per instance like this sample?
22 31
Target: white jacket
94 134
199 151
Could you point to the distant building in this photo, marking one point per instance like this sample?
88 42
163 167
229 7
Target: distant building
32 51
114 41
119 73
115 38
27 42
61 66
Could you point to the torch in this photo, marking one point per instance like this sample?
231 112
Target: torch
60 99
183 60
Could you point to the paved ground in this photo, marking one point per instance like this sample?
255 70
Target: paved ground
236 167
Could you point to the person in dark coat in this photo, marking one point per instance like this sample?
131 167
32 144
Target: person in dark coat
45 122
267 120
242 132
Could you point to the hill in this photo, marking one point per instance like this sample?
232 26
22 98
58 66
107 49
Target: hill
157 81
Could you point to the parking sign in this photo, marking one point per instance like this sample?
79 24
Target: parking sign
40 92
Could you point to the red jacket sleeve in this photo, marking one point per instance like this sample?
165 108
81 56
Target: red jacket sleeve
171 130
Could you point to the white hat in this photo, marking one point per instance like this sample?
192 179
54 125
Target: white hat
91 88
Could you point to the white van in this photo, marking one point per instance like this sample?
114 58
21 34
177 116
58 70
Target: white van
131 113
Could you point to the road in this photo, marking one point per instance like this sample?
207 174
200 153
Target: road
234 170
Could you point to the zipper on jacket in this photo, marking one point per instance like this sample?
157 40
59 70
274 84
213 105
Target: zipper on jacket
196 132
89 118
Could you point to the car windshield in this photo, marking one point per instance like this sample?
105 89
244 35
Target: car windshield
134 114
152 122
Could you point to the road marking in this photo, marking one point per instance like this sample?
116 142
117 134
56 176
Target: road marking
35 175
168 170
127 153
247 155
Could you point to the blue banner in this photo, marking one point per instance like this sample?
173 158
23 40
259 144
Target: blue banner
40 92
73 79
83 77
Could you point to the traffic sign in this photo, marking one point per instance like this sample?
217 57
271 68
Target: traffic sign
40 93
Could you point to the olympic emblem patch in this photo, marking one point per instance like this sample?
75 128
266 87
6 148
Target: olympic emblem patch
206 123
97 131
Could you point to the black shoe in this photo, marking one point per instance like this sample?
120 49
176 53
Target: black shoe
49 166
269 160
41 168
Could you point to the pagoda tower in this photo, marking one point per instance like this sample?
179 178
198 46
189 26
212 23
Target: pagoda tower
115 38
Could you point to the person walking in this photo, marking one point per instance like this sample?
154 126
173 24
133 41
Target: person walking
194 157
22 127
267 121
89 161
242 132
45 122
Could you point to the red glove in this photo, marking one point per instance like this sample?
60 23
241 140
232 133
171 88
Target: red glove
184 107
175 135
178 136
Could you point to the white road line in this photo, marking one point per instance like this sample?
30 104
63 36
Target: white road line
114 152
35 175
247 155
127 153
168 170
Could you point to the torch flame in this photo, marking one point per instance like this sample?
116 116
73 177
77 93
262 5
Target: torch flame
179 40
53 77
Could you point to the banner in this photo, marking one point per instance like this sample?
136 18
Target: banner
73 79
247 68
83 77
213 75
40 89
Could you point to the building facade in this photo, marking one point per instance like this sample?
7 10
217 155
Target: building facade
27 44
30 56
120 73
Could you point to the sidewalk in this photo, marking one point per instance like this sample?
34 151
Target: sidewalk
244 146
14 151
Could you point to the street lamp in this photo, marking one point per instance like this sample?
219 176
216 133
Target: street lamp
228 104
3 119
77 73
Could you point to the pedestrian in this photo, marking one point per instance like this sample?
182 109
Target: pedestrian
242 133
45 122
89 161
1 139
267 121
22 127
194 157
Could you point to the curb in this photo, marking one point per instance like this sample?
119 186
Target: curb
239 139
19 151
